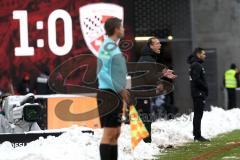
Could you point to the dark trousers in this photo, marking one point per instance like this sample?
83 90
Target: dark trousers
231 98
198 107
144 110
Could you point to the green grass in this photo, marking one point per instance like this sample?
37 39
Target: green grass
194 149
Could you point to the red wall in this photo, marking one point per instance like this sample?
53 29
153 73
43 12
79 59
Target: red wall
13 68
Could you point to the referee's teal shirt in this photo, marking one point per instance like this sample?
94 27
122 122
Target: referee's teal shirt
112 69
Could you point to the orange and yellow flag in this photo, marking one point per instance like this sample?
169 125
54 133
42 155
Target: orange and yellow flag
138 129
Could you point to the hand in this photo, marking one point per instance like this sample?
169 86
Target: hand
160 88
125 95
169 74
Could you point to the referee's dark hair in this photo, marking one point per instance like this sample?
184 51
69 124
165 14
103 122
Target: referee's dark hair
111 24
197 50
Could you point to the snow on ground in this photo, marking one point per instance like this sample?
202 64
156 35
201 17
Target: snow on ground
75 145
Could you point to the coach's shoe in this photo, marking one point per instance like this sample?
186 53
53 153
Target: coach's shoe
201 139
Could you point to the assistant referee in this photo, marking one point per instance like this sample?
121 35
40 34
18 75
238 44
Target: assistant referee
112 73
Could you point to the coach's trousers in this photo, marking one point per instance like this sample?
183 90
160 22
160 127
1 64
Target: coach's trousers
144 110
198 107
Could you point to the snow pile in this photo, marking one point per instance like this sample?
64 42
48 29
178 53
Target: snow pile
179 130
75 145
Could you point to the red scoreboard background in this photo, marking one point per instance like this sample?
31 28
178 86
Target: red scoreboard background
13 68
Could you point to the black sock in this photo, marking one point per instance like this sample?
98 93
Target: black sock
105 151
114 152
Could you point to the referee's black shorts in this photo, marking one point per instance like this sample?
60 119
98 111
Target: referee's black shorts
110 106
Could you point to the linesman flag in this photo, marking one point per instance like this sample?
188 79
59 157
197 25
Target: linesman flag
138 129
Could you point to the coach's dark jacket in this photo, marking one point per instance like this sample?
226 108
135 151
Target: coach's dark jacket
199 87
148 55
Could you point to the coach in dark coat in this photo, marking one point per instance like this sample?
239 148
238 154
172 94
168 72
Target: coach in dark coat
199 89
149 54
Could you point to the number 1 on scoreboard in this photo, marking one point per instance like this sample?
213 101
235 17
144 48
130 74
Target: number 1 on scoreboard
24 49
